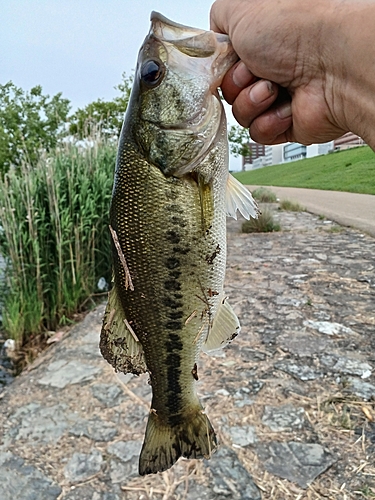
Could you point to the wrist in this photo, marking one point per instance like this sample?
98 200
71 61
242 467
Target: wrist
350 68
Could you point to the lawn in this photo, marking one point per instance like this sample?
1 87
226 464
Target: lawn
352 170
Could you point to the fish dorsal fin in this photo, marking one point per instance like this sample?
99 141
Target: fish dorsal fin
237 197
225 327
118 343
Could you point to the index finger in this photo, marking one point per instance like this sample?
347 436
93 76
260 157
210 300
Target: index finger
219 17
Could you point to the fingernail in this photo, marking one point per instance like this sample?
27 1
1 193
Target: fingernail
284 111
261 91
241 75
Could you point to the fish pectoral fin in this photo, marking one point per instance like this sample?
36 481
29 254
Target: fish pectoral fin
164 444
225 328
237 197
206 197
118 343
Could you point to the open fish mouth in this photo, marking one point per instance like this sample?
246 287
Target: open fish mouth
199 44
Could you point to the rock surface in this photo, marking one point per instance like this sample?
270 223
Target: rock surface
292 398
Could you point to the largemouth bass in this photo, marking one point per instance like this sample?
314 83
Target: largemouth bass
171 194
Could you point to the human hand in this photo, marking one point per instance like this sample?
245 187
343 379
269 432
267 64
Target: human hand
288 85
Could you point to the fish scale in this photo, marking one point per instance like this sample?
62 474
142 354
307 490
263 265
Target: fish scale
167 221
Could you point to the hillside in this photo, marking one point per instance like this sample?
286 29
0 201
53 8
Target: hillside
352 170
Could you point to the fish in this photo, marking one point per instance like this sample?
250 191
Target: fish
172 191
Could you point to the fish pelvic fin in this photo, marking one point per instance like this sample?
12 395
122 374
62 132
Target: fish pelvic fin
119 345
192 437
237 197
225 327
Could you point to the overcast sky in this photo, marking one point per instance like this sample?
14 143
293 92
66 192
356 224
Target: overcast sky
81 47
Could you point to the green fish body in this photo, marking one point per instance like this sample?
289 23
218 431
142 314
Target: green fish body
172 192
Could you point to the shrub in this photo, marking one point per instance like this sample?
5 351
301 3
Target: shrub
264 224
54 238
264 195
291 206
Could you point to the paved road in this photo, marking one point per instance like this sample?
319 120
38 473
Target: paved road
349 209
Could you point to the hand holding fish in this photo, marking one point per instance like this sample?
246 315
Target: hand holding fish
307 71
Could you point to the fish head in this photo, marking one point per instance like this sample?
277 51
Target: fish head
175 107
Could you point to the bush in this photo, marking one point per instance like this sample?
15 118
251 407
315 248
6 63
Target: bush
264 224
54 238
264 195
291 206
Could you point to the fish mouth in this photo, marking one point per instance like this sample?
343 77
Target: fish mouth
168 30
211 53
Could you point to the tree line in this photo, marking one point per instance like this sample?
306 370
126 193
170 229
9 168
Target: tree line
32 122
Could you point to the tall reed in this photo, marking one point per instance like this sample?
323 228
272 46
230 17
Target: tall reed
54 236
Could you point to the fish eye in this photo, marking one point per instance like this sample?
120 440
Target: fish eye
152 73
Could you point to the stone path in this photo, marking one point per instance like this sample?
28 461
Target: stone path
292 398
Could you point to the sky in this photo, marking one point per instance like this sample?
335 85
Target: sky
82 47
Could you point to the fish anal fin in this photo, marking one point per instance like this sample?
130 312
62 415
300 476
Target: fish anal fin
225 327
238 197
118 344
164 444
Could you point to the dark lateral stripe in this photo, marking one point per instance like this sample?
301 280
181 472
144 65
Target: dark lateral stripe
172 262
176 314
172 285
174 394
171 303
173 325
174 343
174 347
175 274
173 236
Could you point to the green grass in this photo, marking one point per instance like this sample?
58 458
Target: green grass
352 170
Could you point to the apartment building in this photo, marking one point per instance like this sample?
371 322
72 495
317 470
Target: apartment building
262 156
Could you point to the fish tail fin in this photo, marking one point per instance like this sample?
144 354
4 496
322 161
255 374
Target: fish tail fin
164 444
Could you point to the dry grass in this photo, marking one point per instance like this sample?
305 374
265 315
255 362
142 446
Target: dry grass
264 195
291 206
265 223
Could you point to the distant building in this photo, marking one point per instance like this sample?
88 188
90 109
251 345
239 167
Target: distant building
262 156
294 151
348 140
273 154
319 149
259 162
256 150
